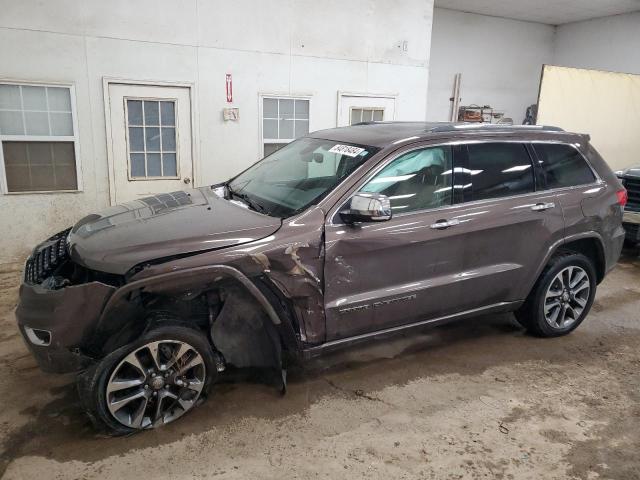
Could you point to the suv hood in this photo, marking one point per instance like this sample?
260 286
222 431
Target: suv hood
151 228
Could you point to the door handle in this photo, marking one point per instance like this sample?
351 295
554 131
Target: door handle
541 207
186 180
442 224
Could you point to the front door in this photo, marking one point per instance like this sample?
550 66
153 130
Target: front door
151 140
354 109
380 275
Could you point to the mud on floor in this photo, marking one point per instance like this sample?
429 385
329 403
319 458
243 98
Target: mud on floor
476 399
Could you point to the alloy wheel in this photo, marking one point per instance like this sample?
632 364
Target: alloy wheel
155 384
566 297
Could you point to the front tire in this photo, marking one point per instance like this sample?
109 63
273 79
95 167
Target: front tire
149 382
561 298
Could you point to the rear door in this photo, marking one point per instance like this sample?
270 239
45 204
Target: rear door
508 222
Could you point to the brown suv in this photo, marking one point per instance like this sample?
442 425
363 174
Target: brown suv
340 236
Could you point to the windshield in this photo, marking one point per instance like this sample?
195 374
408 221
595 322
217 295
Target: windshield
298 175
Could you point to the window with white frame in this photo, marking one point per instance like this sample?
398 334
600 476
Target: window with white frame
283 120
37 138
151 131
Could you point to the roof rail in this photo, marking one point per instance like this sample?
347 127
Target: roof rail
452 127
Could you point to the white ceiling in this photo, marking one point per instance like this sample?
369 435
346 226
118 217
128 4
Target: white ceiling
552 12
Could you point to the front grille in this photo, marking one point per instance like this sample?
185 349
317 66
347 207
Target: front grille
633 191
46 258
632 231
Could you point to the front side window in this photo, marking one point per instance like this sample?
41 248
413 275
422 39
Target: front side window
298 175
283 120
563 166
498 170
37 138
417 180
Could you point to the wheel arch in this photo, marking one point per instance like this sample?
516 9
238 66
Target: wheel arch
123 319
589 244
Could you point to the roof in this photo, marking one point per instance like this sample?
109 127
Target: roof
382 134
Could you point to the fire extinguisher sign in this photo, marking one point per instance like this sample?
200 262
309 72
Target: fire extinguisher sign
229 86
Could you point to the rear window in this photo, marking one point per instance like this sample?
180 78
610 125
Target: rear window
499 170
563 166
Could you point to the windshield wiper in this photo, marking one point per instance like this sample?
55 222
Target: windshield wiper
246 199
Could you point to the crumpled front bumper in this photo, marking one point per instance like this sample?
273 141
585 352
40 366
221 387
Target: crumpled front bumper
69 315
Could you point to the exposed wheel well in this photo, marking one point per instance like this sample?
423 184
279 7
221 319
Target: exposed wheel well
590 248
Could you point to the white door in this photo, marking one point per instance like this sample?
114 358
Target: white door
354 109
151 140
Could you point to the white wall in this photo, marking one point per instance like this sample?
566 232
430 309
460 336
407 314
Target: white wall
500 61
609 43
269 46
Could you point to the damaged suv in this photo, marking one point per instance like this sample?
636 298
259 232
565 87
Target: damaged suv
345 235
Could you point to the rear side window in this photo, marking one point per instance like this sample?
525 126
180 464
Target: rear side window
563 166
498 170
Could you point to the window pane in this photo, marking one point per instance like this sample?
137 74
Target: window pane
136 139
269 148
15 154
270 108
40 153
367 115
286 129
417 180
59 99
286 108
151 113
153 138
499 170
168 113
37 123
41 177
137 165
153 165
302 109
270 128
169 165
64 154
34 98
301 128
40 166
61 124
168 139
134 108
10 97
356 115
11 123
563 165
377 115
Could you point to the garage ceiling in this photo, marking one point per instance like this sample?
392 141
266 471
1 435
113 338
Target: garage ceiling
552 12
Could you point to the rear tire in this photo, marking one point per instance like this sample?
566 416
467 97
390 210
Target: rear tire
561 298
150 382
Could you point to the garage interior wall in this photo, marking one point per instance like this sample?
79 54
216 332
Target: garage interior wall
499 59
277 47
609 43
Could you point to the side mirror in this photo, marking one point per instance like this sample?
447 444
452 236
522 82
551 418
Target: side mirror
367 207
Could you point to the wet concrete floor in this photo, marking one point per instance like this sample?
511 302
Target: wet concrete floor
474 399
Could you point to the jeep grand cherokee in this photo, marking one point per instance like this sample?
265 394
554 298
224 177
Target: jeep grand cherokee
346 234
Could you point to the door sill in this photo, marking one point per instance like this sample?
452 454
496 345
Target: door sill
317 350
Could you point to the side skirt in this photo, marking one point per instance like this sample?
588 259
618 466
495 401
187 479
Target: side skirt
315 351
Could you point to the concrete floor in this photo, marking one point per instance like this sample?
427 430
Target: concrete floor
476 399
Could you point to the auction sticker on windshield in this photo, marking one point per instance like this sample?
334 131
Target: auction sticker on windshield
347 150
